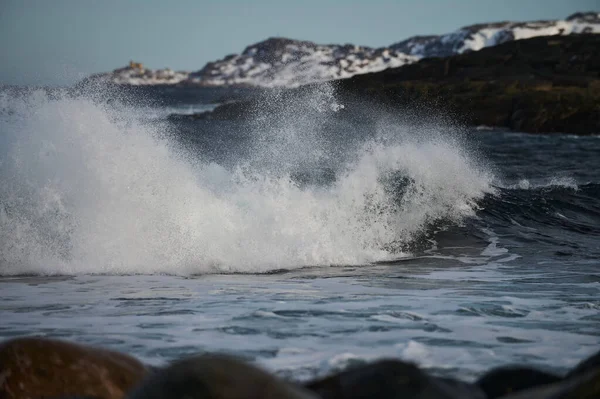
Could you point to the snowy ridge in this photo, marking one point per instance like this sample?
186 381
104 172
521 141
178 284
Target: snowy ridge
476 37
280 62
285 62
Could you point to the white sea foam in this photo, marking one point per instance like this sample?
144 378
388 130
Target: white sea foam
556 181
85 188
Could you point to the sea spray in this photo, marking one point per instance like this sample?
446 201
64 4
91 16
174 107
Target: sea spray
87 188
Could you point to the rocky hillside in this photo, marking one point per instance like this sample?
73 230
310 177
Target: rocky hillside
544 84
280 62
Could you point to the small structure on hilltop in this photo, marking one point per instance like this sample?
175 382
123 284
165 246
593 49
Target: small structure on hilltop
136 65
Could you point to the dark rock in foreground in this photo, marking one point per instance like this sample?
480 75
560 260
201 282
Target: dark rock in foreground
216 377
392 379
504 380
46 368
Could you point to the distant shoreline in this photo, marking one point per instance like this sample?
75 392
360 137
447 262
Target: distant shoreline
279 62
540 85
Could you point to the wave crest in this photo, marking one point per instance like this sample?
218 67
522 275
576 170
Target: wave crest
85 188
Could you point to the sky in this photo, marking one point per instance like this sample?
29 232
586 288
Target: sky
58 42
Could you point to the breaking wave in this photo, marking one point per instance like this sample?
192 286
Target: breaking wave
87 188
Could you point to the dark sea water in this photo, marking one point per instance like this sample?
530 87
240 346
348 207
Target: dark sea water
304 238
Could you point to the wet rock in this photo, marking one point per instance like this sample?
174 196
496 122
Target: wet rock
216 377
505 380
39 367
391 379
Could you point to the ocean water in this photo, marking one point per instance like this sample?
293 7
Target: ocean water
305 238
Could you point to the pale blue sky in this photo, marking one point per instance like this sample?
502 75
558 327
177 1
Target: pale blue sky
53 42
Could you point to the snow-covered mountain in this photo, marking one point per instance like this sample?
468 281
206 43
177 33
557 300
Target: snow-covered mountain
280 62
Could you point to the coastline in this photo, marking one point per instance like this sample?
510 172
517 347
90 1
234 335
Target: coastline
541 85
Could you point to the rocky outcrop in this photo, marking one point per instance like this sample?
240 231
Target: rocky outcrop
545 84
45 368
